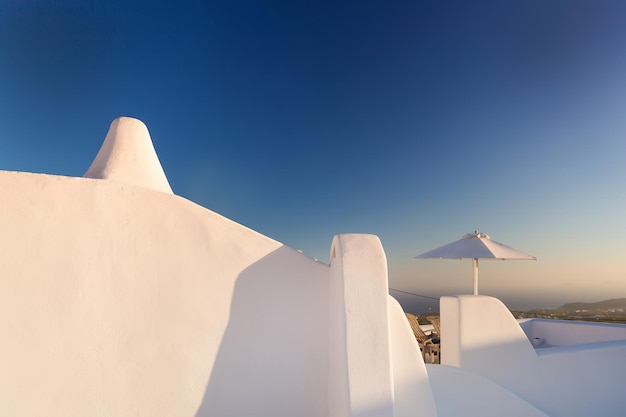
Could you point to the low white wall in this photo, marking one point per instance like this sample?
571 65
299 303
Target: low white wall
412 388
469 336
566 332
481 336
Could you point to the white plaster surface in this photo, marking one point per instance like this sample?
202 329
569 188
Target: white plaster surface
412 391
127 155
461 393
360 343
550 332
121 301
119 298
469 339
482 337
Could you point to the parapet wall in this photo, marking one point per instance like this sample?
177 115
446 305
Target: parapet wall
480 335
554 333
119 300
360 378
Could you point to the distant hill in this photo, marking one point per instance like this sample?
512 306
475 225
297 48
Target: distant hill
598 305
610 311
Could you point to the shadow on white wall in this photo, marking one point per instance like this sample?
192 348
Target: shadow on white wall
273 357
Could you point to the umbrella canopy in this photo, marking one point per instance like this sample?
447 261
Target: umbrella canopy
475 246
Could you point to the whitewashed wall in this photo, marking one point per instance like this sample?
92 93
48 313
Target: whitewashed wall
413 395
481 336
118 298
360 381
550 332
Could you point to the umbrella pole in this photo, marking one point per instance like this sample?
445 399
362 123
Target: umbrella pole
475 276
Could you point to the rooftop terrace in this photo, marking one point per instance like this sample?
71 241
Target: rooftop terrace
120 298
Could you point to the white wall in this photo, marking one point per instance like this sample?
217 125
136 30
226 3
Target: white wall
481 336
551 332
411 383
479 329
118 300
360 381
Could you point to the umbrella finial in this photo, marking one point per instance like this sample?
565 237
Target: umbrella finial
476 235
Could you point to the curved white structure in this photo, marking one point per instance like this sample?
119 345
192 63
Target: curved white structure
576 371
119 298
127 155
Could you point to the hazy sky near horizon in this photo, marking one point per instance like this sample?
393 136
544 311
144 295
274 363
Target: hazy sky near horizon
415 121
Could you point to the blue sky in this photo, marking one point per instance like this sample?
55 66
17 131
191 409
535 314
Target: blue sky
415 121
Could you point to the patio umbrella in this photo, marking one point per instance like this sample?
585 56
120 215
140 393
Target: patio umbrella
475 246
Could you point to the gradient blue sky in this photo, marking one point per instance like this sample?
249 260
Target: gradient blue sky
415 121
